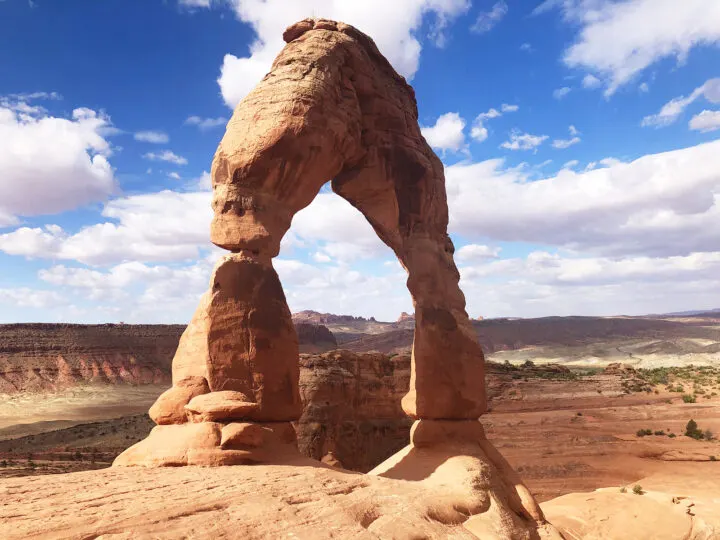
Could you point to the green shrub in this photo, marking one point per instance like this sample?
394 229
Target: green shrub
643 432
691 430
713 458
660 432
672 435
709 435
623 489
637 489
687 398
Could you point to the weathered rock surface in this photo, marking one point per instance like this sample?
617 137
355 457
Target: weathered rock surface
42 357
314 338
309 501
352 407
333 107
53 357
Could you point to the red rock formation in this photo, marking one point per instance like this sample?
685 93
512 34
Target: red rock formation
352 407
405 317
333 107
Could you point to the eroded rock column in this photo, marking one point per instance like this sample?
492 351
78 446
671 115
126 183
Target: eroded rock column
235 376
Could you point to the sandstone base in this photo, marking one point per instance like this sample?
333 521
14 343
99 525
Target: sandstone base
259 502
213 444
473 482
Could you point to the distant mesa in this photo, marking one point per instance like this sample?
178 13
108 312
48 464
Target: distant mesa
405 317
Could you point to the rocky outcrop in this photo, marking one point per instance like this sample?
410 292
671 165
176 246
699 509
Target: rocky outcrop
333 107
45 357
352 407
52 357
314 338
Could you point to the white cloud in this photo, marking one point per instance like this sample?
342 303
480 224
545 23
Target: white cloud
50 164
164 226
672 110
474 253
571 164
591 81
705 121
155 137
658 205
33 298
166 155
562 92
566 143
527 47
337 230
644 88
195 3
174 175
543 284
605 162
523 141
447 133
618 40
479 132
205 124
487 20
392 25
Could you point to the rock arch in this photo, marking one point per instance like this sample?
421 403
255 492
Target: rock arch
332 107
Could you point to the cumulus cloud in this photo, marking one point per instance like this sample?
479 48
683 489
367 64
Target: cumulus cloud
479 132
447 133
164 226
523 141
50 164
616 42
566 143
562 92
674 108
487 20
205 124
394 26
474 253
33 298
591 81
155 137
658 205
166 155
705 121
545 283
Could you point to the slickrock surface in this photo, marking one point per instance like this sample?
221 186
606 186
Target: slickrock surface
305 501
668 508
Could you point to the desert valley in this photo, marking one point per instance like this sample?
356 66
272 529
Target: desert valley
577 404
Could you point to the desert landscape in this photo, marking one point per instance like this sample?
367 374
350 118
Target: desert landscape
487 409
569 411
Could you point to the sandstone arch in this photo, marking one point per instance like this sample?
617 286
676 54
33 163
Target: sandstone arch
333 108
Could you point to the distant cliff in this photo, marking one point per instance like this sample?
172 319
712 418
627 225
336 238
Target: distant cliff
48 357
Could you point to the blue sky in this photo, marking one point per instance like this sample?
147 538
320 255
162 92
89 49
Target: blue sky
580 139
